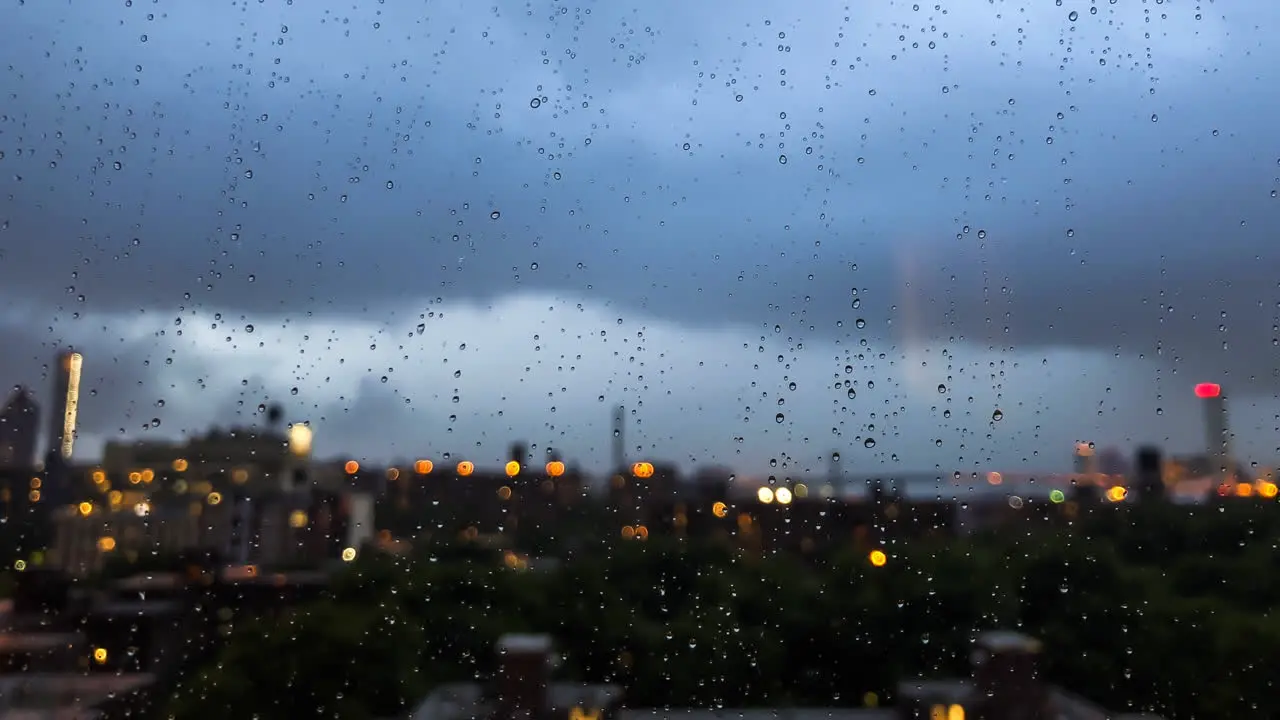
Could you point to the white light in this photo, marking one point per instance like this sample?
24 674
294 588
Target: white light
300 439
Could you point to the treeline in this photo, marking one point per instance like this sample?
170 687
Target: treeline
1161 609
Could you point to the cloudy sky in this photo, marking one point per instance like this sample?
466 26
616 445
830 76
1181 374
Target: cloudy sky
959 235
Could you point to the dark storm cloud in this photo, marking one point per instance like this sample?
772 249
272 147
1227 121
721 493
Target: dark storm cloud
1112 171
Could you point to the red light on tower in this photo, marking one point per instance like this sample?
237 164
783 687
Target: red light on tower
1204 391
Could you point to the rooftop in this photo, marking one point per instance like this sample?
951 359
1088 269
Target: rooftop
524 643
760 714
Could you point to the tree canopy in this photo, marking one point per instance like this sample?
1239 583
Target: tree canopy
1166 610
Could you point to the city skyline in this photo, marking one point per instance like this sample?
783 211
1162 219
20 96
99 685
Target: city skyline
1065 217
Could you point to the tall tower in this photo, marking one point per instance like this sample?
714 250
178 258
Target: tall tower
1217 438
66 404
619 439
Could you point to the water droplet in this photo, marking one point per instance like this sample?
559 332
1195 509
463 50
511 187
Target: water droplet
869 443
779 418
997 415
495 215
535 103
1073 16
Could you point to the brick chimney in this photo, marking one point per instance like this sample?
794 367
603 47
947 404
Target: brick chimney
1006 675
524 671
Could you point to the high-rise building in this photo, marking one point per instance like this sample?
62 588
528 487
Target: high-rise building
1217 437
1084 461
19 430
66 404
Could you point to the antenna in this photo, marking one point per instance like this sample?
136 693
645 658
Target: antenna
619 438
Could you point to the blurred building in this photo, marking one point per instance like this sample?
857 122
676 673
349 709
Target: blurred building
19 430
1217 435
1084 460
273 530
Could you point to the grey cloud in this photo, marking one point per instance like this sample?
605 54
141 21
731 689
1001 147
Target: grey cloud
358 175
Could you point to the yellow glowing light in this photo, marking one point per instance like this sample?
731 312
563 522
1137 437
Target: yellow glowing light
215 498
115 497
555 468
642 470
100 655
719 509
351 468
466 467
135 477
1244 490
239 476
764 495
74 363
802 491
99 477
34 496
578 713
628 532
142 509
955 712
424 467
297 519
642 532
878 558
504 493
348 554
1117 493
513 468
19 565
300 437
393 474
180 465
783 496
1267 489
85 508
148 475
106 544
